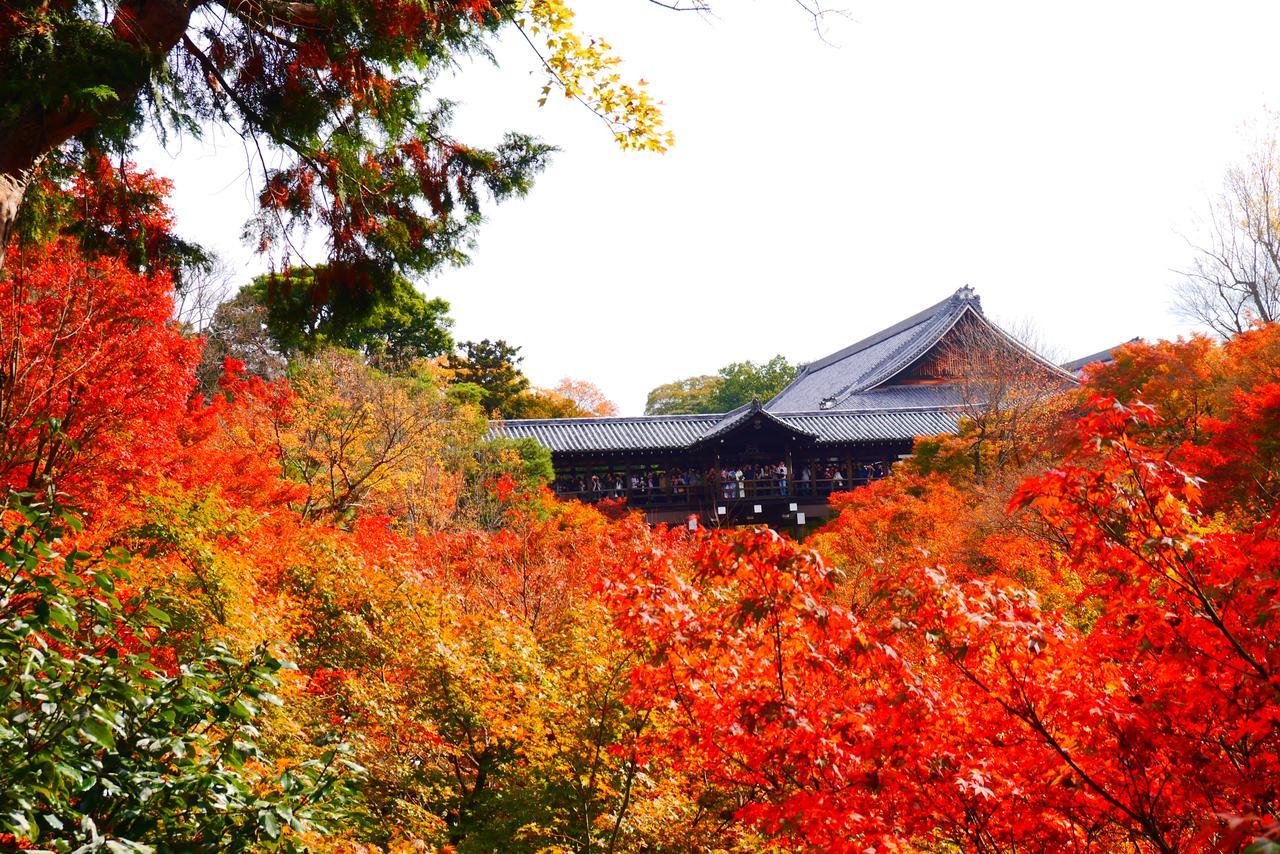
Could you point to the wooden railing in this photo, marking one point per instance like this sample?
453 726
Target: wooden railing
706 493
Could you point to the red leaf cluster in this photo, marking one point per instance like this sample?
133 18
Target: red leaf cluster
96 373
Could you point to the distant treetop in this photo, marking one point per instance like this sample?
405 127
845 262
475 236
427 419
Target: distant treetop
735 384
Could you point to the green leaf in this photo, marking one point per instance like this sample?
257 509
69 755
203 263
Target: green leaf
101 94
99 733
270 824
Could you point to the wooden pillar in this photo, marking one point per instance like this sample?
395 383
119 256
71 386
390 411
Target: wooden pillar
791 469
717 488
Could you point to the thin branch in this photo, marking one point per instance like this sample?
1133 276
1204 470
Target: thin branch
556 77
682 6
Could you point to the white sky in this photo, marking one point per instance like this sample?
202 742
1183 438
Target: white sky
1053 156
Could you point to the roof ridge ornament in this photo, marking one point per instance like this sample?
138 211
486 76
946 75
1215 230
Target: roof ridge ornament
966 294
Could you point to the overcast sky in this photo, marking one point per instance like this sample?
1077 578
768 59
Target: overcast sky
1054 156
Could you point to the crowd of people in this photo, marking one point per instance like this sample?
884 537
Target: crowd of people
749 480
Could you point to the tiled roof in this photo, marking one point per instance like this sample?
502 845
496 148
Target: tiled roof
901 397
645 432
874 426
742 414
1075 366
859 367
850 378
675 432
848 396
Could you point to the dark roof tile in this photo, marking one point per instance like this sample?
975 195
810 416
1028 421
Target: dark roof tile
826 383
587 435
645 432
844 379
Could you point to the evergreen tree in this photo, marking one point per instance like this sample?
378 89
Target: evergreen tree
340 90
494 368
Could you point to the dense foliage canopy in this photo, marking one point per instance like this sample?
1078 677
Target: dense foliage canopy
735 384
324 608
488 372
307 310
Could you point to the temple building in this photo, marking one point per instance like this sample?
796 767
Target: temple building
844 420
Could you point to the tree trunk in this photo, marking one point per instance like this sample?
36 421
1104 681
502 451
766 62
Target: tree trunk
12 190
153 27
21 152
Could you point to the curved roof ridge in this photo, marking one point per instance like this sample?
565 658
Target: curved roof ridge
913 329
884 334
902 357
1057 370
896 362
860 413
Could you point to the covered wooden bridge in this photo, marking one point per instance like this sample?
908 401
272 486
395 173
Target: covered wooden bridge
843 421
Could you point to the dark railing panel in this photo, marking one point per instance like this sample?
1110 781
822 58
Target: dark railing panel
699 494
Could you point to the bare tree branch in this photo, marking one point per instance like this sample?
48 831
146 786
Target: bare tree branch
1235 280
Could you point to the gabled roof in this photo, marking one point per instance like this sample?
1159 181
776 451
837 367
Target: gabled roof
825 383
744 414
860 377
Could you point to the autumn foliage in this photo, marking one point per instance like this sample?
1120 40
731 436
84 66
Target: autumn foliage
318 607
921 691
95 371
1076 649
